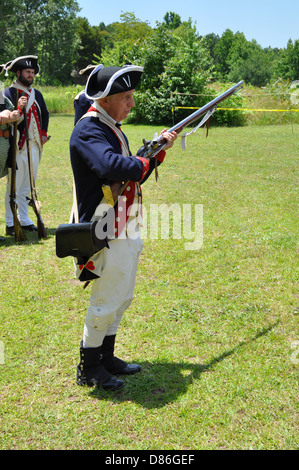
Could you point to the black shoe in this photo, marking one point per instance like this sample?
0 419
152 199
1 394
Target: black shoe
91 372
2 239
113 364
10 230
30 228
112 384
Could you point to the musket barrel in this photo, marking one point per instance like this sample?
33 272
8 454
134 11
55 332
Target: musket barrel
151 149
199 112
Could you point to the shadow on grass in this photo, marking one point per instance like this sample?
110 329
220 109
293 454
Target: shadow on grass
161 383
31 238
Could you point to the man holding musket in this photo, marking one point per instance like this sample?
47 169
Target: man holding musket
101 158
7 115
26 68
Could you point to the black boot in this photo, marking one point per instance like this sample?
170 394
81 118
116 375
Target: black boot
113 364
90 370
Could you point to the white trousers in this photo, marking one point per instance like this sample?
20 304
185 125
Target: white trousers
113 292
22 185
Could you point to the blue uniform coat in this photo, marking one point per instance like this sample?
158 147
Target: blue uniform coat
97 159
81 106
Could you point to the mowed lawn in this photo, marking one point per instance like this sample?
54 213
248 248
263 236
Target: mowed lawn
215 328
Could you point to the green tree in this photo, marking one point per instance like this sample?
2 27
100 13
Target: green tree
171 20
236 58
58 45
129 28
40 27
249 62
287 63
18 31
210 41
221 54
255 70
175 65
177 72
93 40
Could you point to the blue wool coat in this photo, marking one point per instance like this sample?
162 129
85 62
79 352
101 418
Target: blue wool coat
96 159
81 106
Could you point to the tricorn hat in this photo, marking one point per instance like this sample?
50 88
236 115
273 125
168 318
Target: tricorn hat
106 81
87 70
24 62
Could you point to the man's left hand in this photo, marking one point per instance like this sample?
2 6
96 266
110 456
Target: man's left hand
170 137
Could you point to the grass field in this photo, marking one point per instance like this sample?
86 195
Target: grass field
215 329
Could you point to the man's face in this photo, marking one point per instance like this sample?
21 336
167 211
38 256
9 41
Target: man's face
118 106
26 77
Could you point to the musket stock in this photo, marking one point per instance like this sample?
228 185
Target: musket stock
33 202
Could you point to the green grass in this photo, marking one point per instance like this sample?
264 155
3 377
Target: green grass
214 329
60 99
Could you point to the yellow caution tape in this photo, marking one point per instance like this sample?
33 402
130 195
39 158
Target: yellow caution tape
245 109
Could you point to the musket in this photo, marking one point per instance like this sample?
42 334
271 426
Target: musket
33 201
152 147
19 233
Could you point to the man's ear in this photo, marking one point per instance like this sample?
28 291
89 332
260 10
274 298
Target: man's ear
104 102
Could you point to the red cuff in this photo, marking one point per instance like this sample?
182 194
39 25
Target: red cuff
145 166
43 133
160 156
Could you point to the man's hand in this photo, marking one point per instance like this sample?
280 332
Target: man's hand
4 117
22 102
9 116
170 137
44 139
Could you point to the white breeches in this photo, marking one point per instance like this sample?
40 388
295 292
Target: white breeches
22 185
113 292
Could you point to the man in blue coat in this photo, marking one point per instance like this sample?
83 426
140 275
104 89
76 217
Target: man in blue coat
81 102
25 68
101 159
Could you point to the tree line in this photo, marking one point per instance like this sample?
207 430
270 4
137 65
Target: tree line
177 60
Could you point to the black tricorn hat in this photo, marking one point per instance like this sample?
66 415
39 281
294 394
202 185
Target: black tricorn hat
106 81
24 62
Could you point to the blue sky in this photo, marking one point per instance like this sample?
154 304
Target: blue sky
269 22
